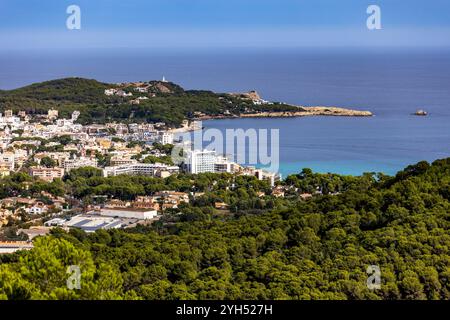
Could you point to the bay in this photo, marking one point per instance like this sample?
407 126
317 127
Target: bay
390 83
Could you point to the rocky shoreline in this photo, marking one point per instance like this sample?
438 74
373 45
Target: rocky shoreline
193 125
304 112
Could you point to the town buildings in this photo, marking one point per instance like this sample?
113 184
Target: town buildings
48 147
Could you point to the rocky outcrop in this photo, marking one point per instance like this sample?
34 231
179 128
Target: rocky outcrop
251 95
303 112
335 111
420 113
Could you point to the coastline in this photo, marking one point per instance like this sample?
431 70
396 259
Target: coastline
192 126
306 112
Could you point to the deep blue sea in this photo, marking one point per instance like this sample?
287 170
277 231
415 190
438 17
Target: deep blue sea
391 84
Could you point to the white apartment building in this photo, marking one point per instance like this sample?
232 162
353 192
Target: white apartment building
269 176
70 164
7 160
200 161
10 119
147 169
223 165
165 137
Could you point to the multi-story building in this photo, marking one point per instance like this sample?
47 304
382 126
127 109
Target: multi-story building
269 176
223 165
47 174
7 160
71 164
260 174
148 169
165 137
200 161
119 160
59 157
11 120
172 196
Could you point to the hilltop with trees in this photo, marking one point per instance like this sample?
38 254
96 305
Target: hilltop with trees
167 102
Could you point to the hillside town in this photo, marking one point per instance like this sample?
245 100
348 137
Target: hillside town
48 147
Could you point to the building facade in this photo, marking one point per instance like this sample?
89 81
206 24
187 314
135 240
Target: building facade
47 174
148 169
200 161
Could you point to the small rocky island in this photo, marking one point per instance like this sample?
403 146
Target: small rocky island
421 113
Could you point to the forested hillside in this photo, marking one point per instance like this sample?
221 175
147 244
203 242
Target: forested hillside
314 249
167 102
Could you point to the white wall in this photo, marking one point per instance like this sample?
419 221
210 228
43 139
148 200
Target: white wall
143 215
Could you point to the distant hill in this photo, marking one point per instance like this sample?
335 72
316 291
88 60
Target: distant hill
160 101
76 90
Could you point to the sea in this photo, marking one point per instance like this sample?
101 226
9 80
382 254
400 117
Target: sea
392 83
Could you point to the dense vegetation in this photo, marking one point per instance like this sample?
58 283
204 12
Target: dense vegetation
314 249
171 105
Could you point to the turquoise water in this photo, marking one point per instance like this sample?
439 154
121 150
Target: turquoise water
352 146
353 167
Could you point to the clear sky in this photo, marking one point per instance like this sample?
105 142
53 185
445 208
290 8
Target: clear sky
223 23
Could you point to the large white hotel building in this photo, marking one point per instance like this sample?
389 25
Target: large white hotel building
200 161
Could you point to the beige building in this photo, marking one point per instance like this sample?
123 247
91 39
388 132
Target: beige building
47 174
120 160
59 157
52 114
7 160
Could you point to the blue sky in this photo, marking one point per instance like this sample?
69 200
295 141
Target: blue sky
199 23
